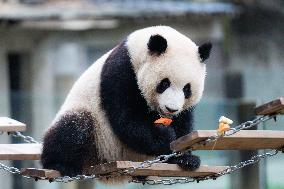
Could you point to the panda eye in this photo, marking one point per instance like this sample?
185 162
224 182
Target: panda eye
163 85
187 90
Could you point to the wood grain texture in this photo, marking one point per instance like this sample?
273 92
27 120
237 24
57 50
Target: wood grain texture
275 106
10 125
40 173
158 169
20 151
243 140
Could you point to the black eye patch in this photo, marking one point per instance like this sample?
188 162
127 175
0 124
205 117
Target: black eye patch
163 85
187 91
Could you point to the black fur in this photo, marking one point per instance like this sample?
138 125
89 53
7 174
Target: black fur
157 44
129 114
163 85
187 91
187 161
70 144
204 51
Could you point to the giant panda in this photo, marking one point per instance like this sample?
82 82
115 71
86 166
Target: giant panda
110 111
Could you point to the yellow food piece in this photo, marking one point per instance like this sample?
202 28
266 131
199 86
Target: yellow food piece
223 127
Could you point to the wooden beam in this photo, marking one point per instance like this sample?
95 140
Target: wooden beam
20 151
10 125
107 169
157 169
243 140
275 106
40 173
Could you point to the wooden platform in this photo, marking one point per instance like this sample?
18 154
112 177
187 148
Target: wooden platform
272 107
159 169
243 140
20 151
10 125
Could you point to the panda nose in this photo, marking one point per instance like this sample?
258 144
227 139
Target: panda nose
171 110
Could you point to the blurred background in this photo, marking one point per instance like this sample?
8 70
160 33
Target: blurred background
45 45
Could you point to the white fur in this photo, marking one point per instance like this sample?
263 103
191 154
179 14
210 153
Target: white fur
180 63
85 95
171 98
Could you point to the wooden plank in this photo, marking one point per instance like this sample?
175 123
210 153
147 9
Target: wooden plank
243 140
20 151
157 169
40 173
107 169
275 106
10 125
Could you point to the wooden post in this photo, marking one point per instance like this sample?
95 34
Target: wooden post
249 176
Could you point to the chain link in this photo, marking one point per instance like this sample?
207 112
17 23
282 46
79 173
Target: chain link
27 139
163 158
12 170
149 163
254 159
231 131
67 179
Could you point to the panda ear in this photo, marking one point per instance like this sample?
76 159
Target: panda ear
204 51
157 44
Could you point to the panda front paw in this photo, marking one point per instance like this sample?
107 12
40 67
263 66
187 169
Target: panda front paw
187 161
141 179
166 132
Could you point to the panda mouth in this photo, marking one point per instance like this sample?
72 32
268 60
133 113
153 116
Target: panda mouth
165 114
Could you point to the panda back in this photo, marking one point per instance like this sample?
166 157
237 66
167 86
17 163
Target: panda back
84 94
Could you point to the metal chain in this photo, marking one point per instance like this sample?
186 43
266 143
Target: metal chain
12 170
231 131
67 179
149 163
160 159
253 160
27 139
163 158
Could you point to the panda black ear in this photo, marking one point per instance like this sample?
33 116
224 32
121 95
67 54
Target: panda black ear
157 44
204 51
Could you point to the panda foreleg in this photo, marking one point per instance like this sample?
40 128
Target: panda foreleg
162 138
145 138
183 124
70 144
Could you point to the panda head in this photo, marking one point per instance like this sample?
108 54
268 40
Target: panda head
170 68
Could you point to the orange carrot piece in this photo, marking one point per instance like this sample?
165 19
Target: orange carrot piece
164 121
